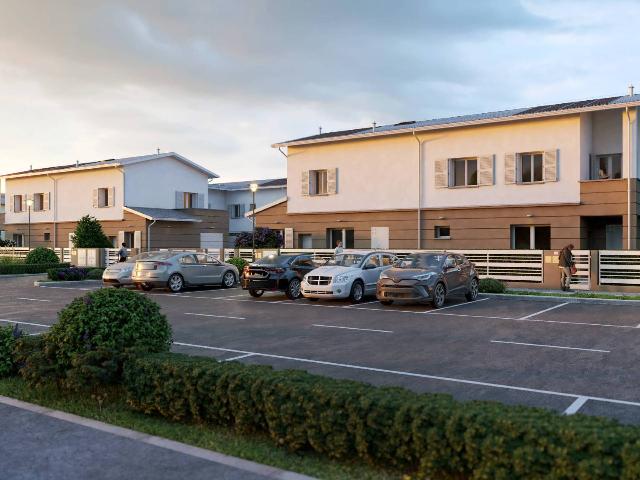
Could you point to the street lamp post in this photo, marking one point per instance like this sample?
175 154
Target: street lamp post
29 205
254 188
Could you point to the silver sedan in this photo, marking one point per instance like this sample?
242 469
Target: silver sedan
176 270
119 273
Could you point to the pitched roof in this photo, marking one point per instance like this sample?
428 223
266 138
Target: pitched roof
244 185
163 214
477 118
111 162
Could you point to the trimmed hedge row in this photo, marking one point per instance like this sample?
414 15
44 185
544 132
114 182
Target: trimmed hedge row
67 273
19 268
431 435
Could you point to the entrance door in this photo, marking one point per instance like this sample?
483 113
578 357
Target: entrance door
345 235
613 234
305 240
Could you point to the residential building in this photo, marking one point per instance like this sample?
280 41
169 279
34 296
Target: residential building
237 198
149 201
538 177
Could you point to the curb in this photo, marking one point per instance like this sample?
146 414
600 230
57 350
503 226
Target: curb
60 284
566 299
202 453
19 275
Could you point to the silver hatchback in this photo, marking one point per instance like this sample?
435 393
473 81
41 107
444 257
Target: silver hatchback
176 270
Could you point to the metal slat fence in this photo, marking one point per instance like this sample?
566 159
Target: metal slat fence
619 267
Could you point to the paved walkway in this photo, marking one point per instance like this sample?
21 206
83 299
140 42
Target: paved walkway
38 443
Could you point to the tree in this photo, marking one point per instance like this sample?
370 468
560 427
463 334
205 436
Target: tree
89 234
265 238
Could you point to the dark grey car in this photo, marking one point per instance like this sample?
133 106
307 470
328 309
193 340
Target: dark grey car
422 277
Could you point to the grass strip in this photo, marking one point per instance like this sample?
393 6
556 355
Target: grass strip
605 296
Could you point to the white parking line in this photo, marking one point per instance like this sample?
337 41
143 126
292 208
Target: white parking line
20 322
33 299
69 288
436 310
363 303
576 405
238 357
352 328
418 375
214 316
551 346
543 311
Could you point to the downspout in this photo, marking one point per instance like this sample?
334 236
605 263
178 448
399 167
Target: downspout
149 235
419 189
628 179
55 210
285 155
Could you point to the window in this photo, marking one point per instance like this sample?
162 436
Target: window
531 237
531 167
236 211
605 167
18 239
318 182
17 203
38 202
103 197
345 235
188 260
190 199
47 236
372 262
388 260
465 172
442 231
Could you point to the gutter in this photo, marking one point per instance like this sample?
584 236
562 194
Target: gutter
629 138
55 209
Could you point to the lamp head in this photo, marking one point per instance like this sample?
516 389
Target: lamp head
29 202
253 187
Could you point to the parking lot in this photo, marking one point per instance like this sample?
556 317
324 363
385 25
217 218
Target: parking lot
564 356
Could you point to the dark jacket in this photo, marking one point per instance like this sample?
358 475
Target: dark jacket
566 258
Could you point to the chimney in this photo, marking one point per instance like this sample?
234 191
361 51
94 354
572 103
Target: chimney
77 163
630 90
374 127
320 130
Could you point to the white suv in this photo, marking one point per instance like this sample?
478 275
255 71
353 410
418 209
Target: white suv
351 274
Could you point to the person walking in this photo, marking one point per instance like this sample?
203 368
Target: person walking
122 253
338 250
567 267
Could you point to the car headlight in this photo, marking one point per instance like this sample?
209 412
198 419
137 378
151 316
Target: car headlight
341 278
424 276
384 275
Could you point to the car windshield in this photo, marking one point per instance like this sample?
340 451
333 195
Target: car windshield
346 260
431 260
142 256
274 260
159 256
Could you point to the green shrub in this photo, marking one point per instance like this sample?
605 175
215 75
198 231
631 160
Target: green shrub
67 274
8 338
41 255
238 262
11 260
95 274
93 335
430 435
491 285
16 269
89 234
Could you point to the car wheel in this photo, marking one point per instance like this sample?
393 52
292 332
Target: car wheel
357 292
439 295
472 294
386 302
255 293
175 282
146 287
228 279
293 289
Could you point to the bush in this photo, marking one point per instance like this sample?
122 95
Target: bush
431 435
12 260
16 269
238 262
93 336
491 285
89 234
265 238
8 337
67 274
95 274
41 255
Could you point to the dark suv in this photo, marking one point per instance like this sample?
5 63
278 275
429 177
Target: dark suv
283 273
428 277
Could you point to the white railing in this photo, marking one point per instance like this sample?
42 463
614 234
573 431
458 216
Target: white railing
21 252
581 280
619 267
318 253
247 253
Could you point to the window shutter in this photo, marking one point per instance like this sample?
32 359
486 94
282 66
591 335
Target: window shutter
230 207
242 209
24 201
332 181
288 237
441 173
95 198
46 201
71 240
201 200
137 239
305 183
179 199
120 239
111 197
11 204
510 168
485 170
551 166
593 174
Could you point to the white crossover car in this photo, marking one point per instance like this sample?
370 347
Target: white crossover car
351 274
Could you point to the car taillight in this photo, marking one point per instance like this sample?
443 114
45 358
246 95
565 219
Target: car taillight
160 264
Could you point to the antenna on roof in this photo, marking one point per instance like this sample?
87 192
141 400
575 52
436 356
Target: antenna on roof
320 129
374 126
631 89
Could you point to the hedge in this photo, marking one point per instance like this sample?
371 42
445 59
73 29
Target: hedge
430 435
14 269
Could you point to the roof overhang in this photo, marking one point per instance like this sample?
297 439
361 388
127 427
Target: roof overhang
162 217
251 213
468 123
61 170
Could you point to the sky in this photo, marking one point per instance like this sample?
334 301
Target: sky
220 81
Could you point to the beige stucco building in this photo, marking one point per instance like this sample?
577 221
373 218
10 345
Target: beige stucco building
526 178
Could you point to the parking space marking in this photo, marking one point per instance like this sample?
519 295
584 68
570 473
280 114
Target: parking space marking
352 328
215 316
363 303
33 299
543 311
20 322
70 288
551 346
417 375
576 405
238 357
436 310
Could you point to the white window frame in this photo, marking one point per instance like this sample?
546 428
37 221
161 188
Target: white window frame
595 166
532 235
438 236
520 170
38 202
236 210
318 182
103 197
17 203
452 169
190 199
